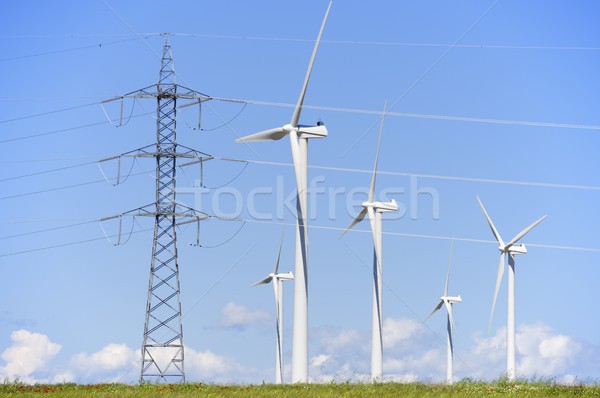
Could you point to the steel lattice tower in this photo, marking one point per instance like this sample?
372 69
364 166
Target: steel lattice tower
162 330
162 346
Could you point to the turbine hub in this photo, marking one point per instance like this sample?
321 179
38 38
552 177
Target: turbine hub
288 128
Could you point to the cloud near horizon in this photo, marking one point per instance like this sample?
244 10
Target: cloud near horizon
339 355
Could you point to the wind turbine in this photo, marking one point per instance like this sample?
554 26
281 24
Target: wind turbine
277 280
447 301
299 136
374 210
512 250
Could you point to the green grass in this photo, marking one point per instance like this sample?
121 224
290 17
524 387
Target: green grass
499 388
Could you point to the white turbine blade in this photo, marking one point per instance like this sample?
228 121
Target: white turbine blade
264 281
448 272
371 213
373 178
449 309
297 163
266 135
356 220
491 224
298 109
498 280
277 320
279 252
524 232
276 292
436 308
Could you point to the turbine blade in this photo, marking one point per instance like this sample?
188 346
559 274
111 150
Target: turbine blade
298 109
491 224
297 162
376 235
449 309
524 232
356 220
279 252
436 308
448 272
498 280
266 135
263 281
277 320
373 178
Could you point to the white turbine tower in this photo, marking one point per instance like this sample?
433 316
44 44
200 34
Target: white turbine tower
447 301
277 280
299 135
374 210
512 250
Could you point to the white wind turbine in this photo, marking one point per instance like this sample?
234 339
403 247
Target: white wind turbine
447 301
374 210
277 280
299 136
512 250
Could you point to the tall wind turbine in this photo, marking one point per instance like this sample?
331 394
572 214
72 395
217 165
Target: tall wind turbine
512 250
447 301
299 136
277 280
374 210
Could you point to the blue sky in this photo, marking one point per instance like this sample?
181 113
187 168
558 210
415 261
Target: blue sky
76 312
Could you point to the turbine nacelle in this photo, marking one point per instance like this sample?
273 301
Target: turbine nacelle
318 131
287 276
381 207
451 299
520 249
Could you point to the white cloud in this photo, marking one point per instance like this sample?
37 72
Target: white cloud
114 362
334 341
411 354
541 352
400 330
544 353
318 360
239 317
345 355
206 366
29 353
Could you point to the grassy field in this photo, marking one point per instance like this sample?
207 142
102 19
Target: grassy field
381 390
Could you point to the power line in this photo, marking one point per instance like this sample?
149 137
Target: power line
422 115
48 113
342 169
47 171
424 236
428 176
408 235
392 43
99 45
51 159
70 129
66 244
475 46
81 184
48 230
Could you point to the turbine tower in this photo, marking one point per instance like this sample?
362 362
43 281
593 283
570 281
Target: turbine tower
277 280
299 136
447 301
162 345
512 250
375 210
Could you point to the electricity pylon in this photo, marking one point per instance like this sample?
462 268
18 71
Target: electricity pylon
162 346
